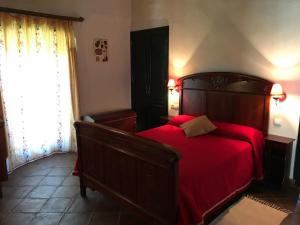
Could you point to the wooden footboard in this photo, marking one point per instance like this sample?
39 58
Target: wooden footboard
140 174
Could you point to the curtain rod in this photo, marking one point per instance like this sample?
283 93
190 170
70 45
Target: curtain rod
32 13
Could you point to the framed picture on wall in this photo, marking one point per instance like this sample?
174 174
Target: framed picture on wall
101 49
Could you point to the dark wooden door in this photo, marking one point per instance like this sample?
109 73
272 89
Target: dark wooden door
149 66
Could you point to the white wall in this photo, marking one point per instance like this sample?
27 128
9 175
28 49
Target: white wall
102 86
258 37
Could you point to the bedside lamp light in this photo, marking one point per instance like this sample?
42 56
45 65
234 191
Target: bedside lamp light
277 92
171 85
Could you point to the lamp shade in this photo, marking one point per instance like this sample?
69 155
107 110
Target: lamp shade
276 90
171 83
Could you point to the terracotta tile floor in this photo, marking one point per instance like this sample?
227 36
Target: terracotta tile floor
45 193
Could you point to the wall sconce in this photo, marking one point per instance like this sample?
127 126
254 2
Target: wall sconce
277 93
171 85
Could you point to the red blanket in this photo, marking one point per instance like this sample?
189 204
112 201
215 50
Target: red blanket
213 167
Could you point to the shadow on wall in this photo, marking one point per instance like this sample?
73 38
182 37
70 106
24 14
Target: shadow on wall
224 48
250 37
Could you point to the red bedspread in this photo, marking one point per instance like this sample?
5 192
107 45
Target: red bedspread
213 167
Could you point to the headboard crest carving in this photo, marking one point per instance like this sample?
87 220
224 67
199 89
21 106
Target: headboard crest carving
218 82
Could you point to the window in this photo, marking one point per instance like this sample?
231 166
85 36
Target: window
37 80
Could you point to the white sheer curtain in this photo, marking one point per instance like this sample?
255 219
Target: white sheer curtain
35 87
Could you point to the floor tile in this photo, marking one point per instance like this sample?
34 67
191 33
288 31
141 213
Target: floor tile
52 180
71 181
46 163
39 172
18 219
60 171
6 205
30 205
46 219
16 192
64 160
76 219
42 192
23 201
31 169
23 171
56 205
129 219
29 181
104 218
93 194
66 192
83 205
106 205
12 181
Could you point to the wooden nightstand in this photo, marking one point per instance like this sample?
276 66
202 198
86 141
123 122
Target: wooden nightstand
277 159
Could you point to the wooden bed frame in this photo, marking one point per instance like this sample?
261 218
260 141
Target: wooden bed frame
142 174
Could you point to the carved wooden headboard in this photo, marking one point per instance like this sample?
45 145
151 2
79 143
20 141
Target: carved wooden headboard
224 96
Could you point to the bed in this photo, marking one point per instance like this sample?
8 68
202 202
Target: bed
152 179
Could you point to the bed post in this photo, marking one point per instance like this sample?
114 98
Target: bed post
82 185
82 189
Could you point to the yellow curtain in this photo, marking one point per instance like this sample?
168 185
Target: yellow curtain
37 58
70 37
